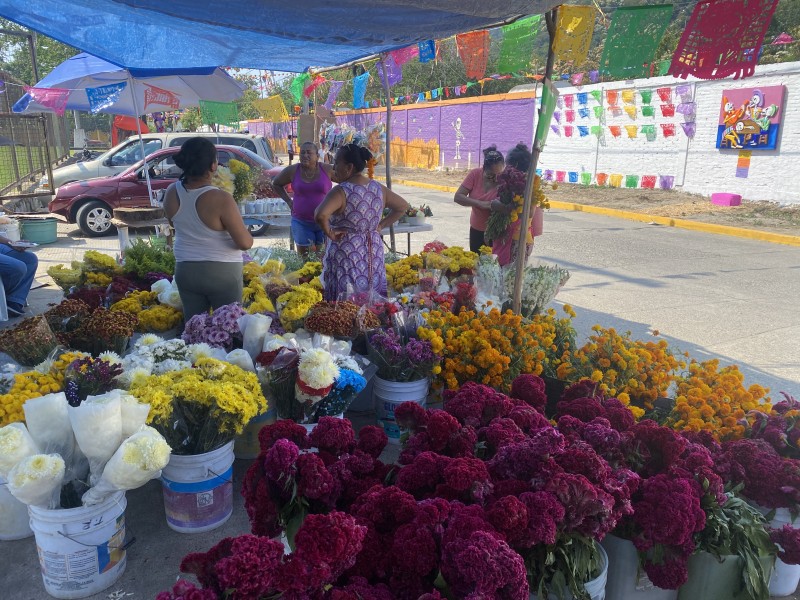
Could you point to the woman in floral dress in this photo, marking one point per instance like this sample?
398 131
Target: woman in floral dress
352 217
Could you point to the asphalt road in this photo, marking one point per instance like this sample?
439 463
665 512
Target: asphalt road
710 295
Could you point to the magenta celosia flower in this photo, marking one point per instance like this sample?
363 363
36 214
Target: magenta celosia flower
422 475
529 459
359 588
333 539
283 429
332 435
261 509
499 433
441 426
509 516
787 539
587 507
280 460
372 440
251 569
669 574
476 405
313 479
465 479
385 508
769 479
528 419
411 416
586 388
654 449
183 590
415 550
668 512
530 389
202 564
584 409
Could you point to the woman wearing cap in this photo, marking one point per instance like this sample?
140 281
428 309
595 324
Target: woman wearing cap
477 192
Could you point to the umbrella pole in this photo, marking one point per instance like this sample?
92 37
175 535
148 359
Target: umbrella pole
141 143
387 155
550 19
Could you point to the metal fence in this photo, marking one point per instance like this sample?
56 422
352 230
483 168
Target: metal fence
30 144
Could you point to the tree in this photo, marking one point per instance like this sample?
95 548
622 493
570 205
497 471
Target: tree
49 53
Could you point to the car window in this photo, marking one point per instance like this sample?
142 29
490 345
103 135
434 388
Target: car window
238 141
178 141
267 149
132 153
165 168
255 158
223 157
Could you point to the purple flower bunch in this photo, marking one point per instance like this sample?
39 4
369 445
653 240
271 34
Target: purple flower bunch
219 329
400 359
90 377
780 427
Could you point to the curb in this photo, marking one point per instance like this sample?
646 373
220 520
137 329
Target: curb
750 234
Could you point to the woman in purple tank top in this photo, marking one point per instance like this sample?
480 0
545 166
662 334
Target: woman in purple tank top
352 218
311 181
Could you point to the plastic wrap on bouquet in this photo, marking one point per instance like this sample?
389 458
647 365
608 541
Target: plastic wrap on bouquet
36 480
97 424
15 444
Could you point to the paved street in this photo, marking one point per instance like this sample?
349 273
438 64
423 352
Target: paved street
711 295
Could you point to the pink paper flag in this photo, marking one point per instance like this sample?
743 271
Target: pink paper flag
569 99
577 78
403 55
53 98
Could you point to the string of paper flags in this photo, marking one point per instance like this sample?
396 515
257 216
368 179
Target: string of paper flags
664 182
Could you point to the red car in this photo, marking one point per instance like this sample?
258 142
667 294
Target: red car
90 203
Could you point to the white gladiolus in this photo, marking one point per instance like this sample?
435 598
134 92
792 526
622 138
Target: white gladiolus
36 480
139 459
133 413
15 444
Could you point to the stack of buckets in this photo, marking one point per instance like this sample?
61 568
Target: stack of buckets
391 394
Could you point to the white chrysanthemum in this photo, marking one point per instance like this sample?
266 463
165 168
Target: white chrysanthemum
317 369
135 377
15 444
35 479
171 364
148 339
349 363
111 357
197 351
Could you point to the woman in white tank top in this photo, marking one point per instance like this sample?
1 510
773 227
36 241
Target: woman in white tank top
209 232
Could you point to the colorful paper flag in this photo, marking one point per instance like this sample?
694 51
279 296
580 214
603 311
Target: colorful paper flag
583 130
594 76
394 73
561 176
568 129
473 49
427 51
633 131
633 39
668 110
597 130
586 178
156 96
647 96
668 129
333 93
689 129
569 100
717 42
314 84
573 33
104 96
616 179
583 113
683 90
612 96
664 93
218 113
583 98
615 130
602 178
572 177
549 98
577 80
272 109
516 50
649 131
53 98
597 95
570 115
297 86
649 181
403 55
631 181
666 181
360 90
598 112
648 111
686 108
628 96
631 110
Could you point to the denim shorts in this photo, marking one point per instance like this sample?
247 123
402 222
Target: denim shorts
306 233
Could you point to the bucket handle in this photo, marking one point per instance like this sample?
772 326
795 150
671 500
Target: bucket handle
127 544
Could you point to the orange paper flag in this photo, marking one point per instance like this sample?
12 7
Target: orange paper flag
473 49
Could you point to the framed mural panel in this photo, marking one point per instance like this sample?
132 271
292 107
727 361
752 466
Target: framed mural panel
750 118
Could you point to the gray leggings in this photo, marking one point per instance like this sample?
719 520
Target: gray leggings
204 285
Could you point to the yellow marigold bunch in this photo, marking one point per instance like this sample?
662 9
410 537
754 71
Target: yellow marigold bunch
402 274
294 306
559 353
716 400
231 395
308 271
538 193
98 279
255 298
48 379
492 349
634 371
238 167
136 302
159 318
251 270
316 283
452 259
97 261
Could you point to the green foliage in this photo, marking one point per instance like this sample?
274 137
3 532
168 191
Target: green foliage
141 258
561 570
191 119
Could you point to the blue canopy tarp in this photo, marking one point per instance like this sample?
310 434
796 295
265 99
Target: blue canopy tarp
272 34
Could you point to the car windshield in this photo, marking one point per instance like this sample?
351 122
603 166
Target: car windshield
261 162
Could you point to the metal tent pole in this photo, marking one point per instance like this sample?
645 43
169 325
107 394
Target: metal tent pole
550 20
388 154
141 142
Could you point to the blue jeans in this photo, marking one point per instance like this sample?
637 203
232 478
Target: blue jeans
306 233
17 270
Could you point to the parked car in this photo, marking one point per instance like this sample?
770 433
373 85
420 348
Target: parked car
91 203
126 154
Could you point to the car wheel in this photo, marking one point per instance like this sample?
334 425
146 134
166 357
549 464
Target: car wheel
256 230
94 219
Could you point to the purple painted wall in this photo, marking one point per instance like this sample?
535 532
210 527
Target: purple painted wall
467 118
507 123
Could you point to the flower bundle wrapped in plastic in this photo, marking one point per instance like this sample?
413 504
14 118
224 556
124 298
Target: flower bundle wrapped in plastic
223 178
316 374
97 425
136 461
15 444
219 329
89 376
277 372
167 293
30 342
339 319
202 408
539 286
293 306
36 480
255 329
48 422
345 389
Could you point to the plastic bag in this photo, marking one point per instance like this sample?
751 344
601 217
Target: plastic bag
49 425
133 414
97 424
15 444
255 329
241 359
36 480
139 459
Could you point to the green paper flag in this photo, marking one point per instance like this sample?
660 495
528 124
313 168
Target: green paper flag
586 178
298 84
219 113
647 96
517 48
597 130
597 95
632 40
631 181
663 67
598 112
649 131
648 111
549 98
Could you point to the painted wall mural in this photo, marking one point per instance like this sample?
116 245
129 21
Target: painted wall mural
750 118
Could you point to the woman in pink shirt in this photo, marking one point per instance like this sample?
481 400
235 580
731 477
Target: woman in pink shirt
477 192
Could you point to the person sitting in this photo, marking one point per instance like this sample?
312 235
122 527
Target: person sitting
17 270
210 234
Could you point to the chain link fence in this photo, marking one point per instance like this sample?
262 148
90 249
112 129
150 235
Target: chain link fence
29 144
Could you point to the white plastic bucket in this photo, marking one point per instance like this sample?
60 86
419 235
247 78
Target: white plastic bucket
785 578
14 523
625 580
596 588
391 394
246 445
311 426
198 490
81 550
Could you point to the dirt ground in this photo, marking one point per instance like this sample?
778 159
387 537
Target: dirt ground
759 215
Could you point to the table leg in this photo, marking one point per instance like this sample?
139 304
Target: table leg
408 239
124 238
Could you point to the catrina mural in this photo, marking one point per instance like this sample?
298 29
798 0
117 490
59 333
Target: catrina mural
750 118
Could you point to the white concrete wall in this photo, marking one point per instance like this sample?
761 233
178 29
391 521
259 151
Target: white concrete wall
696 164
